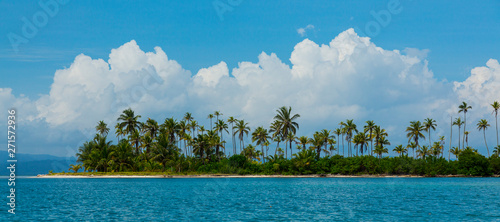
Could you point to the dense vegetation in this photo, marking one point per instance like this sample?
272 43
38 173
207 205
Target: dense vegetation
185 147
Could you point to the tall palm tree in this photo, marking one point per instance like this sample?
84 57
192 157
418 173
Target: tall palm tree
412 146
343 130
496 106
287 122
188 117
242 128
350 129
260 135
231 120
414 131
129 122
378 133
360 140
464 108
217 114
483 125
326 136
151 127
369 127
171 128
458 122
429 124
276 134
338 132
316 143
135 138
183 131
102 128
210 116
221 126
119 131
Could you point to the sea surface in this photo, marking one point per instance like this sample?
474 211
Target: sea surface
255 199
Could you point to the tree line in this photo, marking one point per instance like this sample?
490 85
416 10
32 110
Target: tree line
186 146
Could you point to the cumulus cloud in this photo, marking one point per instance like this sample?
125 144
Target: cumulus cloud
303 31
348 78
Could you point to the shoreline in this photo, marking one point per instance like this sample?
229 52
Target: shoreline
246 176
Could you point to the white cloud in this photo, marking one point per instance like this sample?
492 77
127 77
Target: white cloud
348 78
303 31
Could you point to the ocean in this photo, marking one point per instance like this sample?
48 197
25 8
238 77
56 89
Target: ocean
254 199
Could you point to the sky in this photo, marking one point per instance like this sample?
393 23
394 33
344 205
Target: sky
67 64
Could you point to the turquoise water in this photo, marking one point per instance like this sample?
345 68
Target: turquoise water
251 199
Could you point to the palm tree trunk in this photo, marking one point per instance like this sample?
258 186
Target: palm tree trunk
262 148
496 124
451 134
459 137
343 150
465 126
484 134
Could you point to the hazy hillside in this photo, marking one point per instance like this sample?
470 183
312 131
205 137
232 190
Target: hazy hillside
32 165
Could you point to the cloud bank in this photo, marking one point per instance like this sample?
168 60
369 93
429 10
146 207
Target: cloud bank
348 78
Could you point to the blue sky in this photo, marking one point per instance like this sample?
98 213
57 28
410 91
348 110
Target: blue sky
452 37
459 35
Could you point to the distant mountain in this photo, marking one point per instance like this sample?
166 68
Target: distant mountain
34 164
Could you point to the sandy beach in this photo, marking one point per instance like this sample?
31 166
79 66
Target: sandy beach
231 176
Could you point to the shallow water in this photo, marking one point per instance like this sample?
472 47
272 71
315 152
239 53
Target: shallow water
250 199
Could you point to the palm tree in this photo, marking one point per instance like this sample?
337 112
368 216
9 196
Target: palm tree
400 150
338 132
75 168
436 149
342 130
414 131
129 121
429 124
210 116
135 138
250 153
483 125
303 141
496 150
242 128
326 136
369 127
231 120
183 131
260 135
496 106
217 114
412 146
378 133
379 150
287 122
456 151
360 140
423 152
119 131
458 122
151 127
350 128
102 128
221 126
171 128
316 143
464 108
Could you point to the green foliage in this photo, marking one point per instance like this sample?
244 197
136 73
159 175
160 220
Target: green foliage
471 163
184 147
